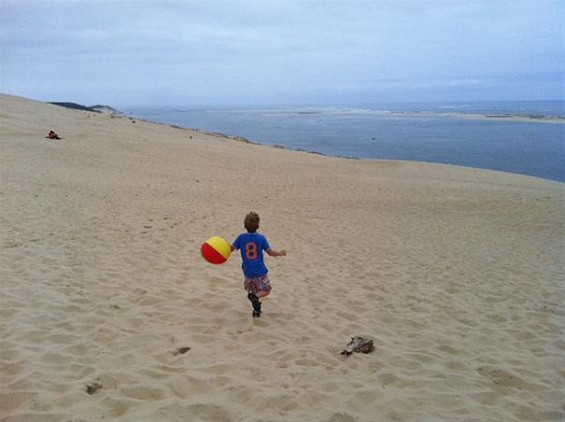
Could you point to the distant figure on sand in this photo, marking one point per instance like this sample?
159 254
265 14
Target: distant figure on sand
252 244
52 135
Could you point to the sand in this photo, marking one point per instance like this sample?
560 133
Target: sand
108 311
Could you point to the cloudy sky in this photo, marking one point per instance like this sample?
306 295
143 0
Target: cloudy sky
163 52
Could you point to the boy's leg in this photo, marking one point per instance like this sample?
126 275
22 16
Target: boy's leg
256 304
250 286
263 293
257 288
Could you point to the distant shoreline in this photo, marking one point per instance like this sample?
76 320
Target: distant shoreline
533 116
429 134
527 118
509 116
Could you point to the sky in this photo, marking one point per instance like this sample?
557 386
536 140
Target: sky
241 53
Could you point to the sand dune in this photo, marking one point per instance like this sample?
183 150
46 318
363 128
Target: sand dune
109 312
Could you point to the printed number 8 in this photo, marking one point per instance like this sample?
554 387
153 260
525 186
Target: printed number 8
251 251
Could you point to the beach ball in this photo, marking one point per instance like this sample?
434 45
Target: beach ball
216 250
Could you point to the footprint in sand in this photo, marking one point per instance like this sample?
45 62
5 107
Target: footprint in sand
500 377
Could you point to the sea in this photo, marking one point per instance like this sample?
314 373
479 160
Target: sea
525 137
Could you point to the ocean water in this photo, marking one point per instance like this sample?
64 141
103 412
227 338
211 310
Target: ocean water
479 135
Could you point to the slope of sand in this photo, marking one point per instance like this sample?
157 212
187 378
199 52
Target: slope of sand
109 312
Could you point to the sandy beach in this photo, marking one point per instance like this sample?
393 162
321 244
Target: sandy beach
108 311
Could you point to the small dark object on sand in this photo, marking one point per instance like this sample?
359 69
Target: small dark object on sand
52 135
358 344
181 350
93 387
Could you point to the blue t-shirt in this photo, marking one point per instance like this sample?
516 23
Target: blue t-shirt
252 246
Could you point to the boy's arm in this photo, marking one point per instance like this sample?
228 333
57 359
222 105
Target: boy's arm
272 252
235 245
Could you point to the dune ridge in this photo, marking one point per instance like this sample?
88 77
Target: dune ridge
109 312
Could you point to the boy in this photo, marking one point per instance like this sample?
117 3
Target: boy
252 245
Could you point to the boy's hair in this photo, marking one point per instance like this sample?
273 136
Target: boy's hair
251 222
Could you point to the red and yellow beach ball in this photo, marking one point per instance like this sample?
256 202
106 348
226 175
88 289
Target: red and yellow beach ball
216 250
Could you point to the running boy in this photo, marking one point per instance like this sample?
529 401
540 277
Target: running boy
252 245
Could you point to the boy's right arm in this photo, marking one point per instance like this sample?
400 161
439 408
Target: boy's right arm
272 252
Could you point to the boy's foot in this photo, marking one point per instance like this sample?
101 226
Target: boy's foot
256 314
255 302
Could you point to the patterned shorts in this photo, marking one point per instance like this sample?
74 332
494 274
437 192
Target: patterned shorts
257 284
